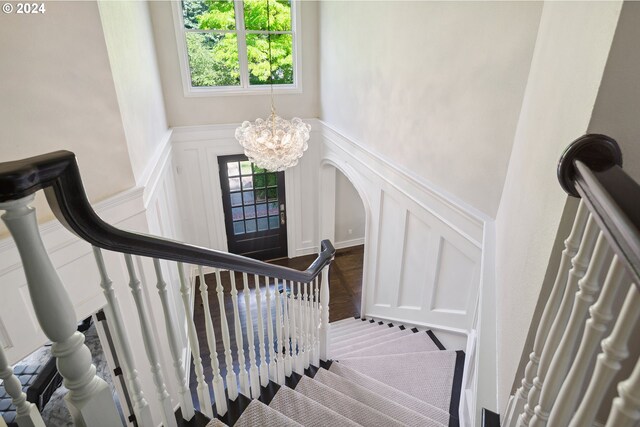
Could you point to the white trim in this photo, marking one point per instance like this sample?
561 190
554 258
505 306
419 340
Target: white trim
244 88
413 182
155 169
349 243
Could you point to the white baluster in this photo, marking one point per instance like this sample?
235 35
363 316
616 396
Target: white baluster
264 369
27 414
89 399
307 326
140 405
625 410
589 287
572 243
232 381
615 350
597 325
184 395
168 418
279 343
579 266
242 368
316 323
204 398
287 331
254 375
301 329
324 309
217 383
273 371
293 309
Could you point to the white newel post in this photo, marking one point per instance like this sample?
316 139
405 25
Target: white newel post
186 404
217 382
168 418
27 414
89 399
204 398
324 319
140 405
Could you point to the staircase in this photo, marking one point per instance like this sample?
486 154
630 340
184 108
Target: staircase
381 375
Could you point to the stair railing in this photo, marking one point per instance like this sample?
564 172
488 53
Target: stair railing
297 324
599 264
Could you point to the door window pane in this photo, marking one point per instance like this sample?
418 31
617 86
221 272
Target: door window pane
259 181
250 225
233 169
236 199
249 212
261 209
248 197
238 227
274 222
273 209
257 169
234 184
236 214
247 183
272 193
245 167
272 180
261 195
263 224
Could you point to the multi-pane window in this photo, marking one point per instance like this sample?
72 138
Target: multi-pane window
239 44
254 198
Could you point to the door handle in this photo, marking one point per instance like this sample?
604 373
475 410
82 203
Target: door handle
282 218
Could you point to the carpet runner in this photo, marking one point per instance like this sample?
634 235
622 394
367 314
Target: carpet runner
380 375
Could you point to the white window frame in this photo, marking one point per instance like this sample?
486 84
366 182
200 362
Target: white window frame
244 88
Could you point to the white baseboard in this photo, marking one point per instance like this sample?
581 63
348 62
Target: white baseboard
349 243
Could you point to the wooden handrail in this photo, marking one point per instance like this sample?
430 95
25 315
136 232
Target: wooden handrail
591 168
57 173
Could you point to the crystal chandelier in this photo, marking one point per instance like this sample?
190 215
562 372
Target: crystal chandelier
274 144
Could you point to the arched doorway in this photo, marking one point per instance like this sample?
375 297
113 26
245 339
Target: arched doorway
343 220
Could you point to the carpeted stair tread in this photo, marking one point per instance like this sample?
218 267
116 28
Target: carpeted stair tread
348 347
428 376
347 321
364 335
345 405
306 411
342 332
216 423
259 414
413 343
394 410
393 394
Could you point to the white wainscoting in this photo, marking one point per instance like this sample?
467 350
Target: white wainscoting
422 247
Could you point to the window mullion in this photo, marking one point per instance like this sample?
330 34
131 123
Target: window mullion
242 44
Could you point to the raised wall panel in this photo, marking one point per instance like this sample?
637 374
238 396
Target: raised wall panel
417 267
454 278
390 247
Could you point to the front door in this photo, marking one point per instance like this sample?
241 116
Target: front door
254 208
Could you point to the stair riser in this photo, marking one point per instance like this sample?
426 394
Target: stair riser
365 337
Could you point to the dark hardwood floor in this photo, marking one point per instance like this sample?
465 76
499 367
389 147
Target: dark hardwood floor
345 278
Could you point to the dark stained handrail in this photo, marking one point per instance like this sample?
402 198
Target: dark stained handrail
591 168
58 175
